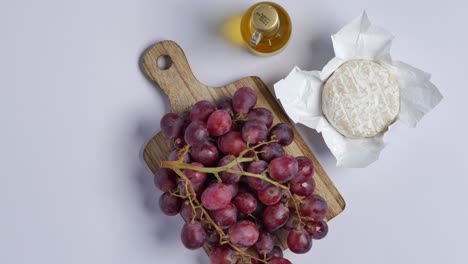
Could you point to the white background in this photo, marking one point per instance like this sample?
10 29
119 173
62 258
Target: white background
76 111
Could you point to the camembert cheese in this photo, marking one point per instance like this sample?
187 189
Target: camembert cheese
361 99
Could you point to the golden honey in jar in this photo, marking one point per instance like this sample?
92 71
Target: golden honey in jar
266 28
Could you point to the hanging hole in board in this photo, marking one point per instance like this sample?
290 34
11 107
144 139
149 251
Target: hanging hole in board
164 62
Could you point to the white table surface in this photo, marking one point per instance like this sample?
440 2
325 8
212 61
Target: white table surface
76 111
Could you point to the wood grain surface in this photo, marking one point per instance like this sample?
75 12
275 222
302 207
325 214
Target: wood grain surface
183 90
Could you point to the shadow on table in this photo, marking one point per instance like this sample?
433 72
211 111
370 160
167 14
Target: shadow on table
165 228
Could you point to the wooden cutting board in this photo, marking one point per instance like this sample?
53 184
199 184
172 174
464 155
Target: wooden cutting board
183 90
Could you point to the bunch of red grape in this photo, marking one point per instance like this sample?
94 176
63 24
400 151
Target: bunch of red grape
231 181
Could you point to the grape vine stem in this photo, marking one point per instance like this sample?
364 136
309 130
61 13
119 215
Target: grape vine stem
178 166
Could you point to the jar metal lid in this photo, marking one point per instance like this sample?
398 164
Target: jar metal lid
265 18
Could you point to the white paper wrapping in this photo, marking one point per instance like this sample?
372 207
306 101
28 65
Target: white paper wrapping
300 92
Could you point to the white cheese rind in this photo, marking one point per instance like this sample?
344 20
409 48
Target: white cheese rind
361 99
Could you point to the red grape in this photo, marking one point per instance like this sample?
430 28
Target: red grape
197 188
196 177
171 125
178 142
247 260
219 123
227 177
185 117
212 239
249 154
261 114
284 168
254 132
271 151
225 217
306 170
303 188
170 205
231 143
201 110
257 167
299 241
195 132
225 103
243 234
277 260
314 206
216 196
204 152
193 236
283 133
245 202
165 180
243 100
276 252
186 211
223 255
259 211
257 183
243 186
270 195
233 188
264 244
317 229
292 223
176 154
275 216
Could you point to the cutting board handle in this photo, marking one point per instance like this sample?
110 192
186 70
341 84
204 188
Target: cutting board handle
177 80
